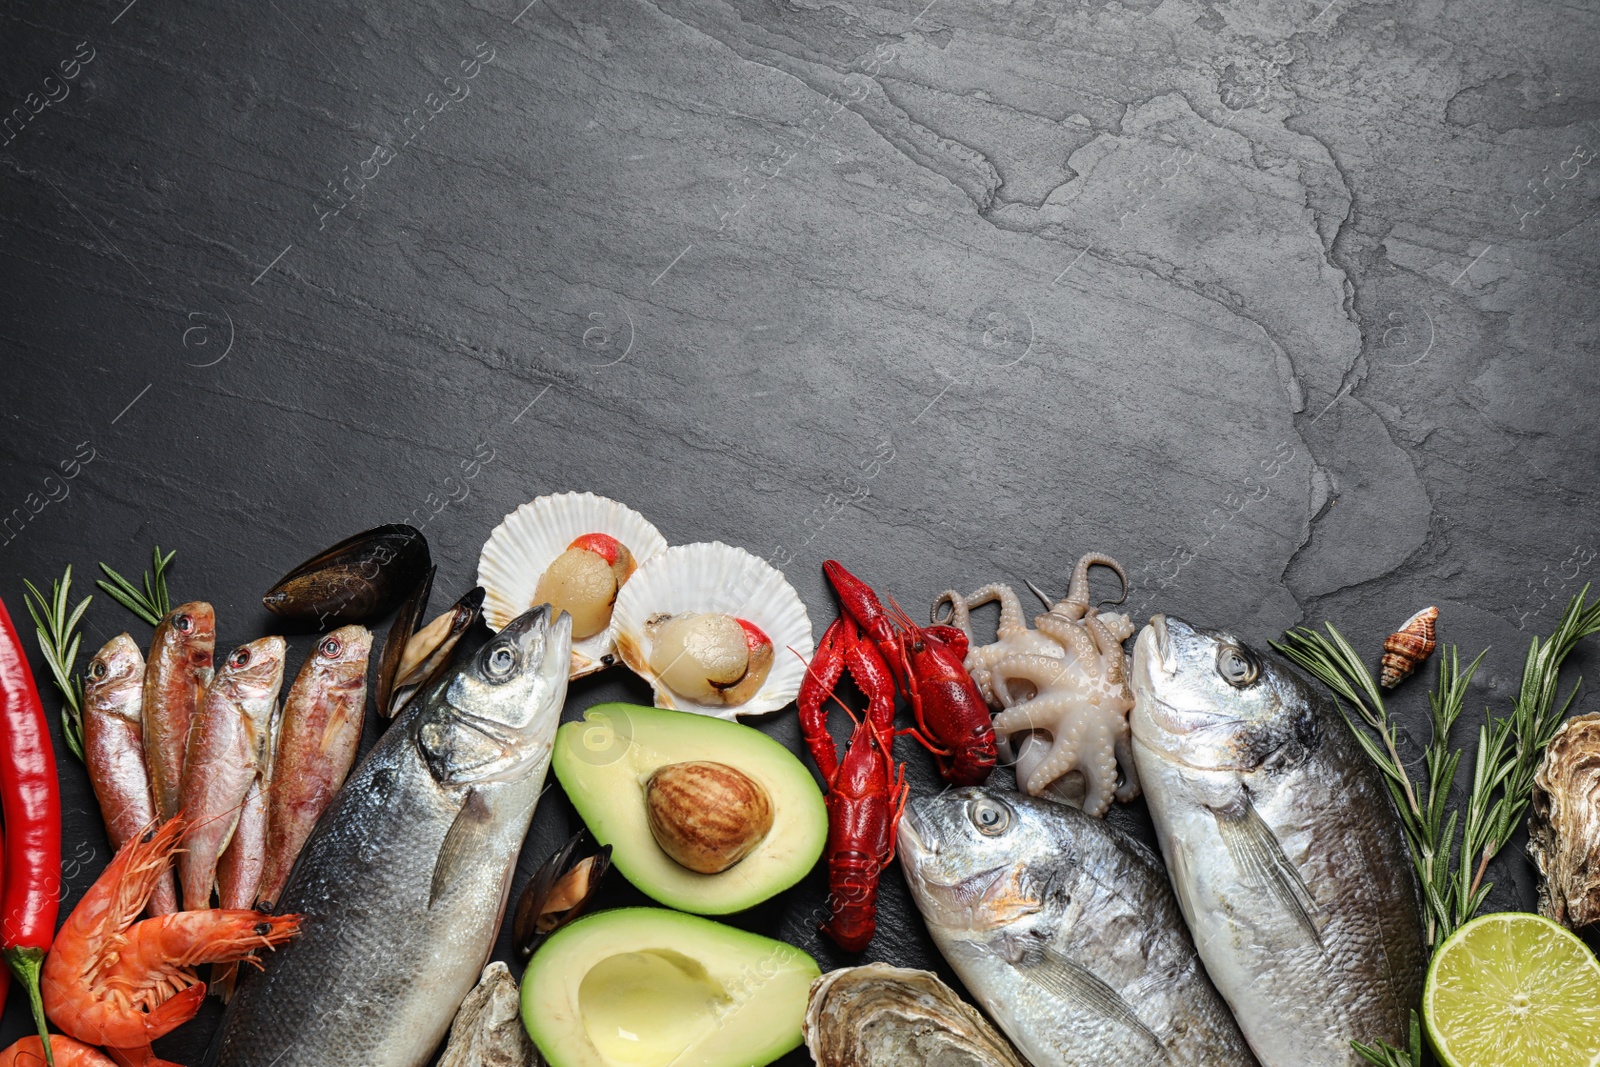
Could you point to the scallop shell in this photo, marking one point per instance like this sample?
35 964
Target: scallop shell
714 577
529 539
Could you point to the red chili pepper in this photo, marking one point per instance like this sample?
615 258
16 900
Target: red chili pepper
31 803
5 973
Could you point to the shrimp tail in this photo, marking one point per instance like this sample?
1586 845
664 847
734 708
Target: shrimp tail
172 1014
143 1056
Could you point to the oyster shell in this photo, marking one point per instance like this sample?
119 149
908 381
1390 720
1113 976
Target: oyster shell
487 1031
525 544
883 1016
1564 831
713 578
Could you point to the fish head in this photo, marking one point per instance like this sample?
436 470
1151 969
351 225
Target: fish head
1206 700
191 630
340 658
495 718
252 674
971 856
118 668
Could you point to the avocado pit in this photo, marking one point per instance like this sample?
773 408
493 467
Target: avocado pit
707 816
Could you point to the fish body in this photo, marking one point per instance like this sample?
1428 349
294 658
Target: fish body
1285 848
1066 932
113 750
403 882
318 734
175 676
230 749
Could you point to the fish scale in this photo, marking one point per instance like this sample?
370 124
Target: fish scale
403 882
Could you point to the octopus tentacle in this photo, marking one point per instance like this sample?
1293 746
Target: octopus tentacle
1078 588
1073 637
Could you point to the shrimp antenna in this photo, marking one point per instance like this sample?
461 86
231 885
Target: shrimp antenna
1040 593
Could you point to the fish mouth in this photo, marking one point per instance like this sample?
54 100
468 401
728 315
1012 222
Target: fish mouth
914 838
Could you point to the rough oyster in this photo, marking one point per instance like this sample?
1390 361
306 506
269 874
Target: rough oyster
883 1016
487 1031
714 630
1564 832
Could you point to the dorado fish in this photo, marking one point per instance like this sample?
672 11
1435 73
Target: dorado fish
113 750
403 882
177 673
1065 930
230 747
1284 846
318 735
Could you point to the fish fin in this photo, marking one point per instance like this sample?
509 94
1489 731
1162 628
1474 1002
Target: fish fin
1080 987
461 843
1256 851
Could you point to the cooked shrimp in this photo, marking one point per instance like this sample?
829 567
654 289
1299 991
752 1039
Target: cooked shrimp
29 1052
124 984
143 1056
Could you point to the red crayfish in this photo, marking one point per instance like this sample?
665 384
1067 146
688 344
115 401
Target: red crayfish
884 652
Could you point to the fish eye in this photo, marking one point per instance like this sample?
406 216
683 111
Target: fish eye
239 658
330 647
990 816
502 661
183 623
97 670
1237 666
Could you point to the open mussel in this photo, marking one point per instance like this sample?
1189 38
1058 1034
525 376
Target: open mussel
413 659
883 1016
558 892
357 580
405 624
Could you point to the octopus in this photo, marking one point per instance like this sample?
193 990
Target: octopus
1060 688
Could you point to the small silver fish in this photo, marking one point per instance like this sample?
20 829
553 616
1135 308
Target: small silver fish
1065 930
1285 848
403 882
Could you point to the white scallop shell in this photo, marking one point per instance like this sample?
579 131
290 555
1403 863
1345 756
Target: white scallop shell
529 539
711 576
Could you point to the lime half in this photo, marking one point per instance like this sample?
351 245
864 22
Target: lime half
1514 990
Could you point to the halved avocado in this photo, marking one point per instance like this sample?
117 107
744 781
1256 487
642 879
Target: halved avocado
605 761
647 987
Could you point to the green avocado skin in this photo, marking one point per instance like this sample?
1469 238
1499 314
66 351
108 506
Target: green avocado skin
757 962
603 761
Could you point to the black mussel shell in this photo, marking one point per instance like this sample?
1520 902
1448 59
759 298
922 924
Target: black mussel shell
357 580
467 611
405 623
527 929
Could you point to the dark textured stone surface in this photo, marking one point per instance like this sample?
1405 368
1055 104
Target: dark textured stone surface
1291 308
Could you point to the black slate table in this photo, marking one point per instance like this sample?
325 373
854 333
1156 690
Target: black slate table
1290 307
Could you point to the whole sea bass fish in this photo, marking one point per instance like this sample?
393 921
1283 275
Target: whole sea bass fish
1284 846
1066 931
404 880
113 751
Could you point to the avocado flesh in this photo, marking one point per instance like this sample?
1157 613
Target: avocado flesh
604 762
646 987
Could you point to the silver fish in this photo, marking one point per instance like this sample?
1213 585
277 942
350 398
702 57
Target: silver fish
1065 931
1284 846
403 882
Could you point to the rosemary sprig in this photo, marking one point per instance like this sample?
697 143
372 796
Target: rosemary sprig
1386 1055
56 628
1429 829
149 603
